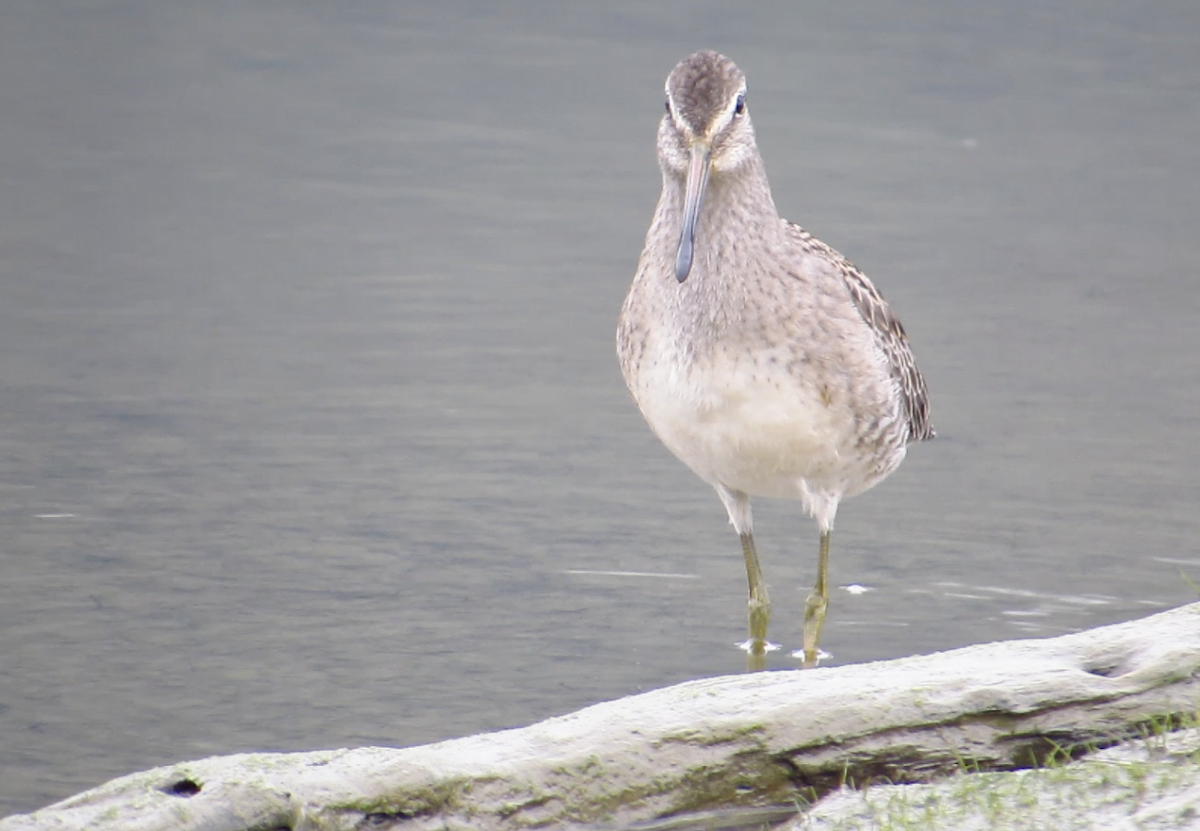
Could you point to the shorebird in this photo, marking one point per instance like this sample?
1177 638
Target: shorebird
760 356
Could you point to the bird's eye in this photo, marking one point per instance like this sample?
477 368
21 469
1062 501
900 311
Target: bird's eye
668 106
740 106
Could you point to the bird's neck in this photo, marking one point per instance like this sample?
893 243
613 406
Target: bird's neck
738 220
737 214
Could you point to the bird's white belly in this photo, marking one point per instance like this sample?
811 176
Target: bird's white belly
752 432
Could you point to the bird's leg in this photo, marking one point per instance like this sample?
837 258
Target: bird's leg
737 503
816 604
760 604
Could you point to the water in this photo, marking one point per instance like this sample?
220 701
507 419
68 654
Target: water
311 430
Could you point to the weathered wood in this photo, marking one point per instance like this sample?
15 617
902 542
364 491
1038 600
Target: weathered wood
753 739
1142 785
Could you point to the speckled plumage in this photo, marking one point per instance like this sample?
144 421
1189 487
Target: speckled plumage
760 356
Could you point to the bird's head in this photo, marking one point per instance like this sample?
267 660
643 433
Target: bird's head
706 131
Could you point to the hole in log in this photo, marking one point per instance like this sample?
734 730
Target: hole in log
1109 667
184 787
1045 751
384 819
899 767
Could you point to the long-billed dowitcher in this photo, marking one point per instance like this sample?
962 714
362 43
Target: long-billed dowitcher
760 356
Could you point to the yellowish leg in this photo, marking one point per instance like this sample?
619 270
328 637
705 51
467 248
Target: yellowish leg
815 606
760 606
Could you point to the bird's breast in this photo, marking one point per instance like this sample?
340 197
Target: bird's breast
741 420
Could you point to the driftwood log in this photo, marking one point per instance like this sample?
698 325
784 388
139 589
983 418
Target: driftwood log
758 739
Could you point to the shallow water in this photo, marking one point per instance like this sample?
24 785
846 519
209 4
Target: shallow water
311 430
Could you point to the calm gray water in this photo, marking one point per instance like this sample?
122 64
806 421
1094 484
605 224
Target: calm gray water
311 431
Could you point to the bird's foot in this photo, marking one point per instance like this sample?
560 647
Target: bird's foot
756 650
758 647
814 661
814 620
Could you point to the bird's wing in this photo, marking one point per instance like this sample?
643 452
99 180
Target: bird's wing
888 331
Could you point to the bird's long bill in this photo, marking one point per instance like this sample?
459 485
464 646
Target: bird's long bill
693 197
